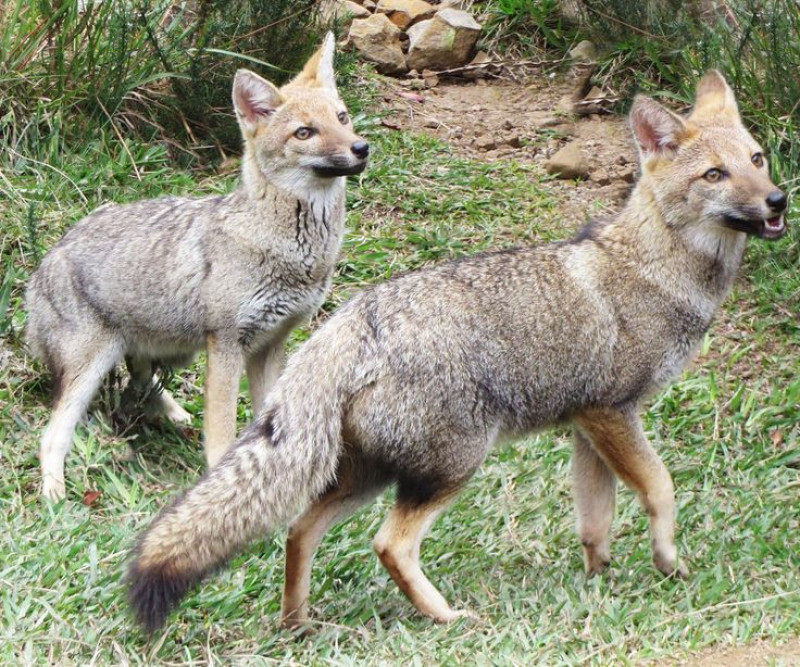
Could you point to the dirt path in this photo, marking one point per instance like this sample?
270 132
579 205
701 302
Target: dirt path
491 120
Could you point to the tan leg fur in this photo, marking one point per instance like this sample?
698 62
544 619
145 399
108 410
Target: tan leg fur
225 366
594 489
617 435
263 369
398 544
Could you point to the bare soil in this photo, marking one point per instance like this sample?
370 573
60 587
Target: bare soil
757 654
492 120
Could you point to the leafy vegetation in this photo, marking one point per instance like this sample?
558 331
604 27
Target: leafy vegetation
728 430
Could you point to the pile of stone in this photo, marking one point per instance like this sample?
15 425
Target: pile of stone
404 35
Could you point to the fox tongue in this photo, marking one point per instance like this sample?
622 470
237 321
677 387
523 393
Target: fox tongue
773 228
774 224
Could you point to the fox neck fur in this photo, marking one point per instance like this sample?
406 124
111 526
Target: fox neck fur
300 183
305 210
696 266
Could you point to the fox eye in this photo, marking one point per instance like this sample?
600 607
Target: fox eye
713 175
757 160
344 119
303 133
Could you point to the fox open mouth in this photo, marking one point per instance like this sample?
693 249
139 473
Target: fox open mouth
333 170
765 228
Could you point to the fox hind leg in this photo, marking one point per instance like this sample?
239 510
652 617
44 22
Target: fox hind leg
355 486
398 545
145 386
594 489
78 381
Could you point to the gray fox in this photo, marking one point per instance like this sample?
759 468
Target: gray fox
155 281
412 381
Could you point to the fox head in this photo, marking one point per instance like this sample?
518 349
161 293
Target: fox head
299 136
707 174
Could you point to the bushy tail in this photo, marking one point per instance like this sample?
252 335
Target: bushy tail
282 461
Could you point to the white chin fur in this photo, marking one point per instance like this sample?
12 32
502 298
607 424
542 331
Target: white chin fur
714 240
302 182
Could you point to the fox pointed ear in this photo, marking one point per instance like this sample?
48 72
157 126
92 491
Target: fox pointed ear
658 130
714 98
318 71
325 74
254 99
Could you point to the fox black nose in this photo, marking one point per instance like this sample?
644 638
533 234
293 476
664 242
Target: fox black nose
776 200
360 149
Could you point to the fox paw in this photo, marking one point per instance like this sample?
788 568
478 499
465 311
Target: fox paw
177 415
671 567
454 614
596 563
53 490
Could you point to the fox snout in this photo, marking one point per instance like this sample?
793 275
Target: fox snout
764 221
343 163
776 201
360 149
775 226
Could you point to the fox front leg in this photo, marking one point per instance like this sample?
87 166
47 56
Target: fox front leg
616 434
225 367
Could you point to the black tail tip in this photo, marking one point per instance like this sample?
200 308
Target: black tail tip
153 592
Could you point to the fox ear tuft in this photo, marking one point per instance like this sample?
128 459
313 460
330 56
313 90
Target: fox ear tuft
658 130
318 71
714 98
254 99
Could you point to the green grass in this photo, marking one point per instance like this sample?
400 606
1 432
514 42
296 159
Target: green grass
728 431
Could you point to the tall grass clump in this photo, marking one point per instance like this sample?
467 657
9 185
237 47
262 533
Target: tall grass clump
144 68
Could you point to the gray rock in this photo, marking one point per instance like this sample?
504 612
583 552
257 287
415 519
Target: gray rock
569 162
584 51
443 42
478 72
430 79
342 10
600 176
405 13
485 142
377 39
